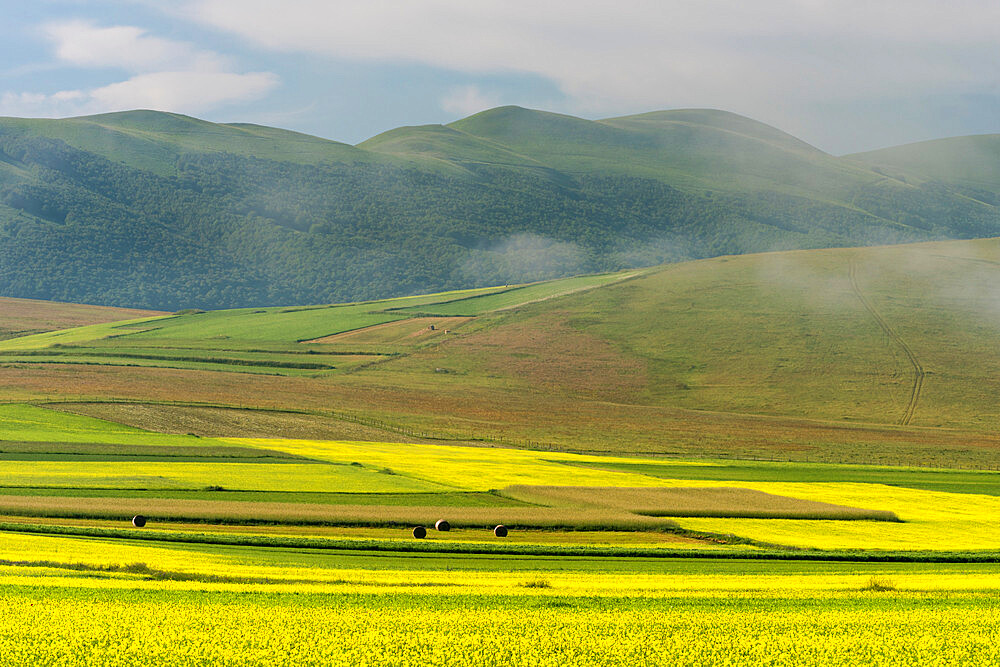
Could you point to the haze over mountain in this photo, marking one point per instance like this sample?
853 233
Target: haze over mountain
159 210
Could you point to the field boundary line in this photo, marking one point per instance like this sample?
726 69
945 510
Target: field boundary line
918 369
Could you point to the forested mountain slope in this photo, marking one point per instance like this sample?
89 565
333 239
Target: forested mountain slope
157 210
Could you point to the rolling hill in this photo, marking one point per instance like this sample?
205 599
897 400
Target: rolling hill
971 164
862 355
156 210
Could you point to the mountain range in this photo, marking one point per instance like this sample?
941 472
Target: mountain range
157 210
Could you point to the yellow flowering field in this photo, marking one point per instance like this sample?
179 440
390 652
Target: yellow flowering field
930 520
70 601
468 468
127 627
101 601
187 475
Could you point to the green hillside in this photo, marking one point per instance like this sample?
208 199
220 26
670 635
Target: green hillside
154 140
863 355
972 162
695 148
157 210
447 145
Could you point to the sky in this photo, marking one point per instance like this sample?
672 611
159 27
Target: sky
844 75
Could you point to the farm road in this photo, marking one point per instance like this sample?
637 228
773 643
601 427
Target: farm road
918 369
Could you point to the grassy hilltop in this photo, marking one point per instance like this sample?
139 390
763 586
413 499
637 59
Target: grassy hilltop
157 210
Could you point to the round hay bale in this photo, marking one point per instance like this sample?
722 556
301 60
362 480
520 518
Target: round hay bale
138 521
500 531
419 532
442 525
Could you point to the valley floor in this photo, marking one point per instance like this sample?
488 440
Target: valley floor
299 551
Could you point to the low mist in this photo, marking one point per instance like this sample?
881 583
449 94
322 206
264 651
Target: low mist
523 258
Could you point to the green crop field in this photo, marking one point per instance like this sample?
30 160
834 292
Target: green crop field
27 423
479 304
284 341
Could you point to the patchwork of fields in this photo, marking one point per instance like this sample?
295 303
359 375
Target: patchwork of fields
879 356
660 509
80 469
315 565
306 340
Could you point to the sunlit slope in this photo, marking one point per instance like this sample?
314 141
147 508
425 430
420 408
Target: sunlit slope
895 335
701 149
153 140
440 142
868 355
694 149
23 317
303 340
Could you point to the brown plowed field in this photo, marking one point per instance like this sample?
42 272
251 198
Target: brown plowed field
22 317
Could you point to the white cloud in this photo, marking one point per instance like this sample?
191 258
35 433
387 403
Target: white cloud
86 44
187 92
467 100
734 54
181 92
39 105
166 75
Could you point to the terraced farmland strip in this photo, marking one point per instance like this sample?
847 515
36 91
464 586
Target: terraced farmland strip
952 481
694 501
245 475
214 365
8 447
81 334
209 421
412 499
248 513
125 354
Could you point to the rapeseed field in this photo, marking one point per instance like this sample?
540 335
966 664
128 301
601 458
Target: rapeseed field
250 607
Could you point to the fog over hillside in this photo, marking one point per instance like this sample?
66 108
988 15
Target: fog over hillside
157 210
